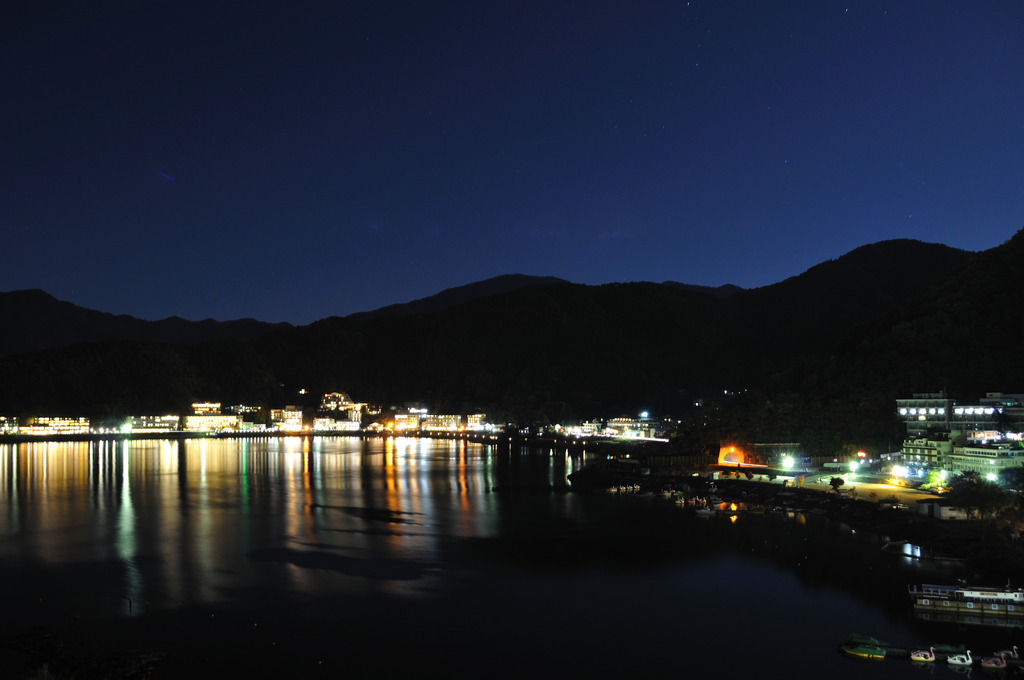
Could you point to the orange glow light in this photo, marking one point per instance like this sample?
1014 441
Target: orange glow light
731 455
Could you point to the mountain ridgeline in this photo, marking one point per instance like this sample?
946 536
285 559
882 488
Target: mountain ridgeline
817 358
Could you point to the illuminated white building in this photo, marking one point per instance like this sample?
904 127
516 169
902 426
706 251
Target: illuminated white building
8 425
336 401
588 428
441 423
925 412
206 408
328 424
155 423
407 422
926 450
982 437
242 410
628 427
985 460
212 423
287 419
48 426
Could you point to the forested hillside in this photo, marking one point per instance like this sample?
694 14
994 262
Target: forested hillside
817 358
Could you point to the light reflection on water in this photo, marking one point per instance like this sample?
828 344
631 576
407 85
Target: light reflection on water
446 536
184 518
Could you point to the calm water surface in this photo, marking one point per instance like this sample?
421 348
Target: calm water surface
311 557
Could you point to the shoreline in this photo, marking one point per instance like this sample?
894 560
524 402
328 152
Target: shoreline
979 544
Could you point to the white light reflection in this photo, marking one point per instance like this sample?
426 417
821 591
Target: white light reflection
125 541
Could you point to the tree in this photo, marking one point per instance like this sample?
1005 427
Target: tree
934 480
975 495
1013 479
836 482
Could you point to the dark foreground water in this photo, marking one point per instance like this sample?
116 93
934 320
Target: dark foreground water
338 557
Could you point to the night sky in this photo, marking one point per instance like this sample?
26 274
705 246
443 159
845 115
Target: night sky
292 161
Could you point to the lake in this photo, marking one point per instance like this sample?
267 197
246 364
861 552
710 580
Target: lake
331 556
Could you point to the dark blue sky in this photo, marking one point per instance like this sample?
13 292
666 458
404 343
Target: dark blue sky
292 161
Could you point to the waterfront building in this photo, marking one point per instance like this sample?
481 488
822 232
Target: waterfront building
925 412
982 437
996 411
212 422
588 428
155 423
329 424
337 406
624 426
441 423
287 419
969 419
986 460
54 425
242 410
934 413
475 422
927 451
8 425
407 422
206 408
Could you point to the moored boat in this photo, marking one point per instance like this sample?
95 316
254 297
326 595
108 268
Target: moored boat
960 659
1008 653
968 593
863 651
923 655
959 600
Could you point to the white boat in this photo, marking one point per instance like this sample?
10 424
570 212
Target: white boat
923 655
960 659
